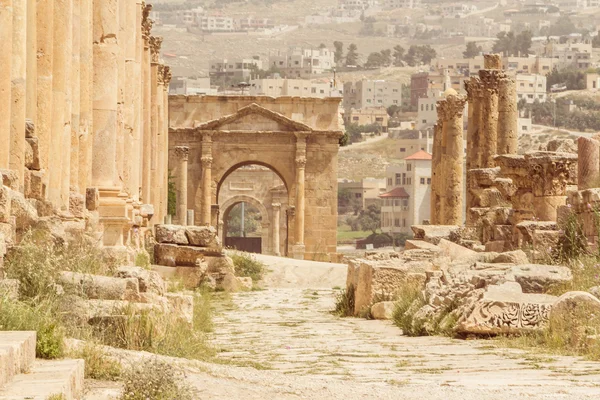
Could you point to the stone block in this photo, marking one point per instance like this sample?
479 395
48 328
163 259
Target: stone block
98 287
148 281
457 252
32 154
181 306
202 236
567 305
77 204
537 278
421 245
182 256
4 204
497 246
433 233
24 212
383 310
174 234
505 308
512 257
189 277
92 199
10 179
147 210
35 188
232 283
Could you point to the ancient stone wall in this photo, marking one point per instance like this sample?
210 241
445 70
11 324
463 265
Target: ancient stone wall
298 138
83 127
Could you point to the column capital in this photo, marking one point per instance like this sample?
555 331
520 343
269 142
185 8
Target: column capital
206 161
160 74
276 206
182 152
455 106
550 173
490 79
147 22
301 162
492 61
301 136
207 137
473 87
155 45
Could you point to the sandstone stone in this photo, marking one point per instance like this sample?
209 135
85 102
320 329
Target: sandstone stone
572 303
24 212
183 256
433 233
35 188
420 245
10 179
456 252
232 283
562 146
383 310
4 204
147 210
100 287
149 281
32 154
174 234
53 225
202 236
595 291
77 204
535 278
92 199
181 306
506 309
380 279
512 257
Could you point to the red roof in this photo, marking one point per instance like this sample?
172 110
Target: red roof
419 155
399 192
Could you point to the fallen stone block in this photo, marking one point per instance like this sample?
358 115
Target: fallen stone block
573 304
100 287
181 306
433 233
202 236
512 257
173 234
10 178
24 212
421 245
506 309
182 256
188 277
383 310
457 252
148 281
535 278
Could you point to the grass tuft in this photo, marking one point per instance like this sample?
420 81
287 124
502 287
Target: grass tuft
247 265
155 380
98 364
344 303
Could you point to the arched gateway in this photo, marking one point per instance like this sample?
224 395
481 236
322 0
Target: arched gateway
297 138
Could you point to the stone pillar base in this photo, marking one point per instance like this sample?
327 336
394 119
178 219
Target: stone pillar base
114 213
298 251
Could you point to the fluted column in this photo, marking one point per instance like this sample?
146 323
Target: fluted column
155 97
473 159
130 138
588 164
206 159
85 95
165 136
489 128
31 111
146 132
159 185
45 62
508 114
6 17
73 175
299 247
452 161
182 153
65 178
436 171
276 220
18 75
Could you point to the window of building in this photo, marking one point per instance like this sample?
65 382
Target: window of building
395 101
424 121
404 179
422 107
531 85
395 90
426 107
398 179
429 181
296 87
390 181
322 91
422 181
409 167
524 127
368 100
380 101
397 222
354 118
397 203
358 195
404 222
402 150
379 119
369 89
522 84
530 96
405 202
313 90
409 181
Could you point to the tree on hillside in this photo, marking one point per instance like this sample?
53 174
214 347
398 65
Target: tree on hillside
419 54
370 218
374 60
386 57
352 55
472 50
322 46
596 40
562 27
338 55
511 44
398 55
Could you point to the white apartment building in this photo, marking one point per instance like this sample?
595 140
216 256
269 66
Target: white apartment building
238 69
191 86
393 4
575 53
407 201
531 88
276 87
189 17
303 63
368 93
216 24
356 4
407 143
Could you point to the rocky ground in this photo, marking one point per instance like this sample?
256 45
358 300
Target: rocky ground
283 343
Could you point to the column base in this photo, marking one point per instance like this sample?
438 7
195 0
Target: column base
298 251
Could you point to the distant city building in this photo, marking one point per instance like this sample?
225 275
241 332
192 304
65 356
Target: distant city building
422 84
234 69
471 66
408 142
276 87
368 93
393 4
191 86
575 53
531 88
253 24
303 63
407 200
366 191
216 24
356 4
189 17
367 116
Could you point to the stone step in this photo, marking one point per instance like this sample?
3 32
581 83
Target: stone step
17 353
47 378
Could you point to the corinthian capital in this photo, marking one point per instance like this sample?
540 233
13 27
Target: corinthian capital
146 21
301 162
167 75
155 45
473 87
455 105
206 161
160 74
490 79
182 152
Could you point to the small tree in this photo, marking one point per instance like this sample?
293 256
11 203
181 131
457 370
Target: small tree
370 218
472 50
399 55
338 55
352 55
386 57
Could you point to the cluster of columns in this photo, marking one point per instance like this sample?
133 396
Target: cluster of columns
493 121
86 76
447 162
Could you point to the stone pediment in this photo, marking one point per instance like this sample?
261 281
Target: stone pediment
255 118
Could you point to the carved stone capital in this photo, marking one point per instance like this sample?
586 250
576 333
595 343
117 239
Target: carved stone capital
167 75
490 79
182 152
550 173
455 105
146 21
492 61
301 162
155 45
206 161
473 87
276 206
160 74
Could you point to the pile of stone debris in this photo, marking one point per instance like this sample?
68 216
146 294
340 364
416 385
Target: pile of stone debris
478 293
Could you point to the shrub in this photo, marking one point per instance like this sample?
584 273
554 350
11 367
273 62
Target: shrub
58 396
573 243
142 259
410 300
154 380
248 266
98 364
39 317
344 302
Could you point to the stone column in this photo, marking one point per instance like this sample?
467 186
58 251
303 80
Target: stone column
156 96
276 220
206 159
159 187
165 136
452 161
73 176
45 57
299 248
588 165
85 96
6 17
435 171
18 74
473 159
146 133
489 124
31 111
65 170
508 114
182 153
129 28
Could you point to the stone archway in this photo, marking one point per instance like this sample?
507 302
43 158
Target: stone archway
265 220
295 137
